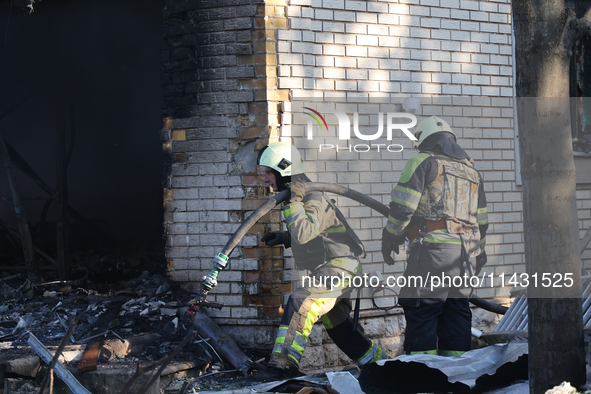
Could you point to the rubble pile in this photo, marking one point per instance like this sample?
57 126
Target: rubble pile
138 324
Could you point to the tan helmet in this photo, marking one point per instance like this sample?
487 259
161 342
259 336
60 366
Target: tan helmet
429 127
282 157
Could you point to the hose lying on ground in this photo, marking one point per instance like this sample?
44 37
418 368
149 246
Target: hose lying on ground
220 261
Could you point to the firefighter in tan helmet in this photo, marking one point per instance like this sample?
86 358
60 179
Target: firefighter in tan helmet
326 246
440 207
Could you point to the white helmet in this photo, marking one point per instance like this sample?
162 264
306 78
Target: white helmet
429 127
282 157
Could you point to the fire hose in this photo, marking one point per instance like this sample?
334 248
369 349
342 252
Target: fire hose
220 261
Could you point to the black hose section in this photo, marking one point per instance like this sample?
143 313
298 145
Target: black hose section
343 191
489 306
252 219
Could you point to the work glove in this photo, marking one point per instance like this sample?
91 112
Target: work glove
390 244
481 260
298 191
274 238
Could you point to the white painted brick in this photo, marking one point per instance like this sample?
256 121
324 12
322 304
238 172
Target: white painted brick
389 64
469 5
489 27
471 47
325 61
504 29
499 38
293 11
369 86
331 26
489 70
420 77
450 46
378 52
441 56
334 73
500 81
367 63
366 18
505 8
356 51
322 38
400 9
420 55
441 78
379 75
289 35
356 74
411 65
347 62
480 58
433 23
451 89
450 24
399 31
470 90
389 41
470 26
323 14
290 83
460 36
344 16
430 66
316 26
378 30
480 80
338 4
345 39
355 28
479 16
430 3
440 12
388 19
390 87
377 7
355 5
450 67
346 85
409 87
410 43
450 4
411 20
460 78
480 37
460 14
489 48
495 59
460 57
300 23
367 40
419 11
505 50
333 50
430 88
417 32
498 18
441 34
399 76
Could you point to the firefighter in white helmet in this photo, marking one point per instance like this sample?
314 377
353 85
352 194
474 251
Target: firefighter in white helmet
326 246
439 205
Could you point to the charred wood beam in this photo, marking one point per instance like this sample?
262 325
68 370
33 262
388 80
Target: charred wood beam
23 224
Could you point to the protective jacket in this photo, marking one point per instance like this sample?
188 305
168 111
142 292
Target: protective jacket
439 200
317 234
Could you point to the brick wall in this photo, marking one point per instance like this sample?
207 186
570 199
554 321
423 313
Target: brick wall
234 71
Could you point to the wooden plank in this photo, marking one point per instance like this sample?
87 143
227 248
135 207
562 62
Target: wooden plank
89 358
60 370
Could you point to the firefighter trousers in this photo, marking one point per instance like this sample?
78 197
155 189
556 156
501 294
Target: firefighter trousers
330 304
